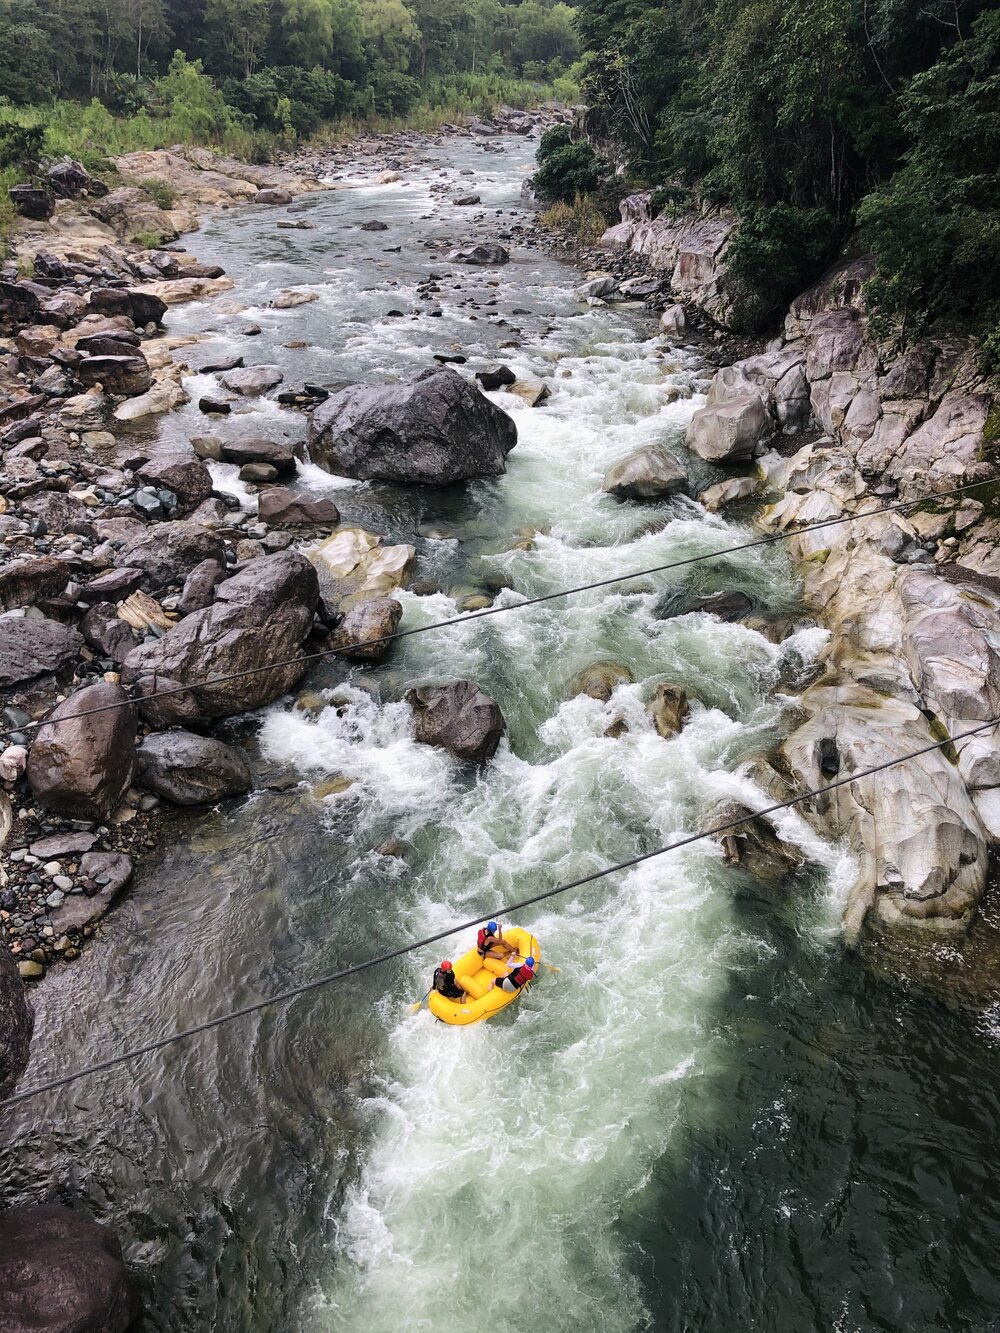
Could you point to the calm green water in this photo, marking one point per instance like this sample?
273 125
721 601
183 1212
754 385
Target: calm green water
710 1118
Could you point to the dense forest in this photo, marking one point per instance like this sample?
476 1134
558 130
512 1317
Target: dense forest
813 120
277 65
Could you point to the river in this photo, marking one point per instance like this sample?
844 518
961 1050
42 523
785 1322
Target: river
711 1116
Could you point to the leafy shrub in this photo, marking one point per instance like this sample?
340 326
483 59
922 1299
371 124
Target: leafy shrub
20 145
394 94
160 191
583 219
567 169
774 253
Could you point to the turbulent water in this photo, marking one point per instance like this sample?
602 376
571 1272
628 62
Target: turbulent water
708 1117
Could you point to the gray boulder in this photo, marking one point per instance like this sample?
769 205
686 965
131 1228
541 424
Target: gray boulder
128 375
729 430
200 585
487 255
191 770
185 475
16 1021
284 508
81 766
23 582
168 552
432 429
259 617
361 636
458 717
253 450
106 633
62 1272
253 380
33 648
649 473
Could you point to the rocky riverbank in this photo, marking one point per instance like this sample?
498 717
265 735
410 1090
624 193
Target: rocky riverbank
827 421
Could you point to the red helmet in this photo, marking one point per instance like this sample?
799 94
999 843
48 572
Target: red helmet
446 964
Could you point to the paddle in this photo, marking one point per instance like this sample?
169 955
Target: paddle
551 966
415 1007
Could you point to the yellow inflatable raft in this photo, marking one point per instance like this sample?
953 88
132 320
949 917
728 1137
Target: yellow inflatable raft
476 976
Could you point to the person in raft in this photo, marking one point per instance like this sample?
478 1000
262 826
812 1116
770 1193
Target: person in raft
491 944
518 977
445 982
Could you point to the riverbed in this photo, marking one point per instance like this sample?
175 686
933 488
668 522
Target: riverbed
711 1116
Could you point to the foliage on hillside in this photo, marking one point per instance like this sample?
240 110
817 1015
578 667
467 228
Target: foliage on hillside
809 118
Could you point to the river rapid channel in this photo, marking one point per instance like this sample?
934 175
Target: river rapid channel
712 1116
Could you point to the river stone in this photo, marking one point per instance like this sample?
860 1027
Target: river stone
649 473
669 708
730 430
128 375
253 380
754 844
191 770
284 508
458 717
17 1019
106 633
25 581
113 584
62 844
673 320
168 552
728 492
188 478
141 308
489 254
495 377
432 428
359 637
62 1272
80 910
728 606
241 452
32 648
258 617
200 585
354 566
532 392
82 766
599 680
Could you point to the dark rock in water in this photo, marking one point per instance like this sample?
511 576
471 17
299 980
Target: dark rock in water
71 180
191 770
464 200
106 634
25 581
83 766
62 1272
278 456
140 307
258 473
433 429
725 605
188 478
669 708
167 553
273 195
450 359
486 255
495 377
32 648
649 473
217 405
599 680
374 224
258 617
200 585
753 844
218 364
32 201
16 1023
364 635
283 508
127 375
458 717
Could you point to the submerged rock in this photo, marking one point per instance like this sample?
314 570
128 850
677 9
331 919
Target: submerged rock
191 770
649 473
80 765
433 429
62 1272
458 717
669 708
600 680
753 844
363 633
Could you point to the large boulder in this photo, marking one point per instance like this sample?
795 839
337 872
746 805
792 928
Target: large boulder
192 770
365 633
259 617
62 1272
353 566
133 214
254 450
599 680
649 473
433 428
185 475
458 717
32 201
128 375
168 552
284 508
488 254
80 765
23 582
16 1022
730 430
32 648
141 308
253 380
